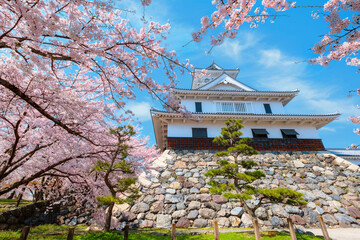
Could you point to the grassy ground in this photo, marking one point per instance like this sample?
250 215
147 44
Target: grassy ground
8 204
55 232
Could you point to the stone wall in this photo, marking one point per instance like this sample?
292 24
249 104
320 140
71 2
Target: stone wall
66 211
177 191
15 218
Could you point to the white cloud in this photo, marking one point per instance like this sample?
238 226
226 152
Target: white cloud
272 57
141 110
282 73
328 129
235 48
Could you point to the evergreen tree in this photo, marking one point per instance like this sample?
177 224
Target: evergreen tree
118 174
240 176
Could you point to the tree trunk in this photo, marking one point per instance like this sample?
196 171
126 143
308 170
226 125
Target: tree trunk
11 196
248 210
19 200
108 217
20 196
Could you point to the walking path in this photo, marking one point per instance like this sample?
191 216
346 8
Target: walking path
339 233
335 233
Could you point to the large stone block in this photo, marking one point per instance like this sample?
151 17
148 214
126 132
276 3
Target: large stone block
279 211
276 222
247 220
203 197
193 214
180 164
344 220
128 217
207 213
353 212
310 216
292 209
163 221
200 223
144 181
174 198
146 224
238 211
194 205
329 219
140 208
235 221
261 213
223 213
298 164
183 223
178 214
223 222
157 207
219 199
297 220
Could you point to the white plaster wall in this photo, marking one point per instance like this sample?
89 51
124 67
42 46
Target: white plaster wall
210 106
276 107
185 130
207 105
225 87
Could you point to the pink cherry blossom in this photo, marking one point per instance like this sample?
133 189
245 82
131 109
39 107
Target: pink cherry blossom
67 69
233 14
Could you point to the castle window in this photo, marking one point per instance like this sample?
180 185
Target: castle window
198 107
234 107
289 133
267 108
259 133
199 132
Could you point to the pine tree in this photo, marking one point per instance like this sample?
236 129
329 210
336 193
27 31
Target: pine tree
118 174
240 176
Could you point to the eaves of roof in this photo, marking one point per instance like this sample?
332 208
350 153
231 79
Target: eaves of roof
317 121
330 115
205 91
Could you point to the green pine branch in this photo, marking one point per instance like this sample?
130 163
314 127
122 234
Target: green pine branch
240 183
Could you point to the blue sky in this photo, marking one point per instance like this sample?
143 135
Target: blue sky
270 57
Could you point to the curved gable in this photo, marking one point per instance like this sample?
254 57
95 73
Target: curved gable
225 82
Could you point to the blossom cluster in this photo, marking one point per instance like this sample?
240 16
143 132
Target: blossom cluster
67 69
234 13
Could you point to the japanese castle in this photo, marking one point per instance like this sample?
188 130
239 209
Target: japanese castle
216 96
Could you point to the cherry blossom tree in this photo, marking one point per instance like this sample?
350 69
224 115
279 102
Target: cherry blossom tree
66 70
342 16
234 13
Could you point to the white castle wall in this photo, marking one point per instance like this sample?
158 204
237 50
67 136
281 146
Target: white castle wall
185 130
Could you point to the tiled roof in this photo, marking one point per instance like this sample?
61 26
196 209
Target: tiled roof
345 152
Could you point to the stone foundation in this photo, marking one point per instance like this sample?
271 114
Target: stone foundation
178 192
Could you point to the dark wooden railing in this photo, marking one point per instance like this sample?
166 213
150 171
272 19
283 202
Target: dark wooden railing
260 144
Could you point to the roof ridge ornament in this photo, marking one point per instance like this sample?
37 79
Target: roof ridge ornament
214 66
